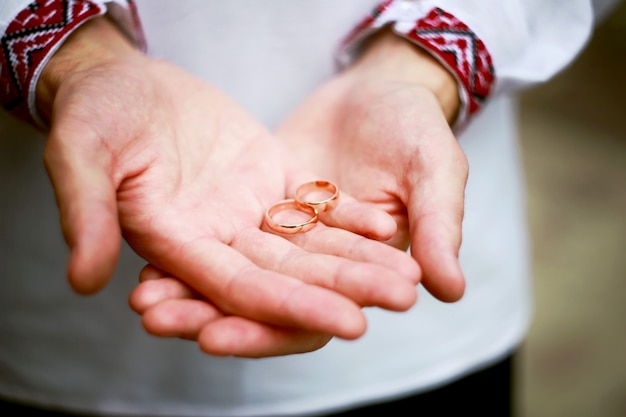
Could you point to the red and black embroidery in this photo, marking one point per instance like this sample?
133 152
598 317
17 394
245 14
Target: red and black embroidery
462 51
31 38
27 41
446 37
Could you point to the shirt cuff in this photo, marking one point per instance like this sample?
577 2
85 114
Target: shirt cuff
447 38
36 33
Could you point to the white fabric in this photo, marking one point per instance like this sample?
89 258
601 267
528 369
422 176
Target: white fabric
91 353
8 11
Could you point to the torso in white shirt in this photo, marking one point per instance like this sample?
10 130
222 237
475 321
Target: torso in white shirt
92 353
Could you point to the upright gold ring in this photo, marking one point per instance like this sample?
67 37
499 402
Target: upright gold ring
305 192
290 204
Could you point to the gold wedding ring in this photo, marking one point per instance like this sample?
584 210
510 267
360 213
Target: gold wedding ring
322 195
285 227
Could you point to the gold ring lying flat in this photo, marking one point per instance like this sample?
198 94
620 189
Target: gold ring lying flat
308 194
290 228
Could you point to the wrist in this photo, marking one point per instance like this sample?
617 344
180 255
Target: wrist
95 43
450 41
387 55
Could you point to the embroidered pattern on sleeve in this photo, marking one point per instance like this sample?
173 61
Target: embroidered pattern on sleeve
448 39
30 39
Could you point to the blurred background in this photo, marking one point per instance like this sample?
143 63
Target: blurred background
574 146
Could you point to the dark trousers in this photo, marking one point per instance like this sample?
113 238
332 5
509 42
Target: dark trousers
486 393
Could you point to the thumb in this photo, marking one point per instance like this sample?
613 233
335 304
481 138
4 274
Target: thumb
79 166
436 208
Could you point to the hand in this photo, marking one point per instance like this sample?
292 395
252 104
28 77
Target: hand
381 130
141 149
170 308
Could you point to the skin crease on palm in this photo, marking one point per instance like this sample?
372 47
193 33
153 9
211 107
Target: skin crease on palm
138 148
380 130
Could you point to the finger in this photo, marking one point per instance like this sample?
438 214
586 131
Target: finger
436 215
151 272
237 286
340 261
348 213
237 336
183 318
152 292
346 245
361 218
226 336
87 203
173 313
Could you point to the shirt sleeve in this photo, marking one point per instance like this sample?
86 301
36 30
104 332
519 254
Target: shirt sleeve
32 31
490 46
